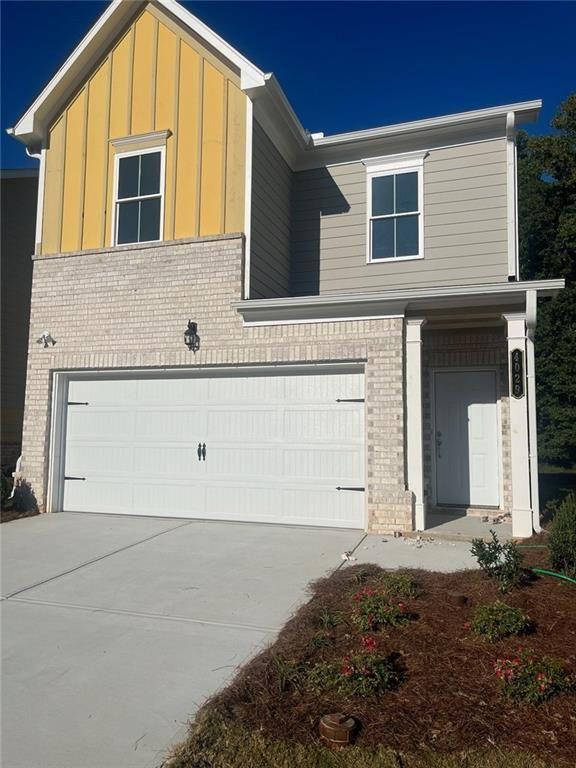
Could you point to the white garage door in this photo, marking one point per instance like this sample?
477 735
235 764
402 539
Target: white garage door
271 448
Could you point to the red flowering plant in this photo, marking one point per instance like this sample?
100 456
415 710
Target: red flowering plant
526 677
375 609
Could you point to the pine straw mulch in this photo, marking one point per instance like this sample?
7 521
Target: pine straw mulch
450 699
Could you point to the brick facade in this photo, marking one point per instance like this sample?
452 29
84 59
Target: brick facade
128 308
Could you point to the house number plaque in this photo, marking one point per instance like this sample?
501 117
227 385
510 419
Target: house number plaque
517 373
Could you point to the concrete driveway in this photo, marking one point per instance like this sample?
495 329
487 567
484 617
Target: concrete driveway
115 629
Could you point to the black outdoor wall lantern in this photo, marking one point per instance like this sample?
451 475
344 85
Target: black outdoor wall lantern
191 338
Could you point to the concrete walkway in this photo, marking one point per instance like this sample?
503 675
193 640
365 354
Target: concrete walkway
116 629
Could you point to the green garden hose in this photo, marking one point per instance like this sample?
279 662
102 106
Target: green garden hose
552 573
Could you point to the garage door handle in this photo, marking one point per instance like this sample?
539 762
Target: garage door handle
203 451
68 477
349 488
199 451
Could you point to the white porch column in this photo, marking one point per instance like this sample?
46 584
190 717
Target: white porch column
414 447
521 504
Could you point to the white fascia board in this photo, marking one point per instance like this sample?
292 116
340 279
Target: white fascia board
30 128
526 111
384 303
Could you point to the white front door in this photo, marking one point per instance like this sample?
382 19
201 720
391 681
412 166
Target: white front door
466 438
250 447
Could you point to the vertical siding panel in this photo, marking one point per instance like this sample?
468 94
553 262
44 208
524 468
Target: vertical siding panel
143 73
213 138
235 160
164 119
53 186
74 173
96 158
186 218
119 117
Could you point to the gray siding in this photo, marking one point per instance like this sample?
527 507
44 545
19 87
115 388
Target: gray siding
270 226
465 236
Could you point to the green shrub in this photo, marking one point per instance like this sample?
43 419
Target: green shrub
562 539
398 585
320 640
6 489
289 673
527 678
498 620
501 562
362 673
375 610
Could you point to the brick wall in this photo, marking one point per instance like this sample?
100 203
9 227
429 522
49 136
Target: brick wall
128 308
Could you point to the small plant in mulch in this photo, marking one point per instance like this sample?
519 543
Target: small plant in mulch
375 609
562 539
532 679
363 673
398 585
327 619
498 620
320 640
500 561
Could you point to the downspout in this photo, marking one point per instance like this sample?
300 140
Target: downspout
531 315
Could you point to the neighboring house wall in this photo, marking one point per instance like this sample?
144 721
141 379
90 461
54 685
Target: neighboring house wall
138 321
157 77
18 218
465 225
270 219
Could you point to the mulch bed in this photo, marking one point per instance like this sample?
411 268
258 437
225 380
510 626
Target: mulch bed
450 699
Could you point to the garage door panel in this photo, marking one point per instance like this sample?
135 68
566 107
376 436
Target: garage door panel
102 392
224 462
168 498
99 424
106 459
113 495
157 425
277 447
326 425
260 424
341 466
159 461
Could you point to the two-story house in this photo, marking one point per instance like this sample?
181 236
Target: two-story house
245 321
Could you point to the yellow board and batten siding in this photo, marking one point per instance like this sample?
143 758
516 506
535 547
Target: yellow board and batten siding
156 78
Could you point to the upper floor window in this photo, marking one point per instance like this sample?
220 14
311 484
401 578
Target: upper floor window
139 196
395 220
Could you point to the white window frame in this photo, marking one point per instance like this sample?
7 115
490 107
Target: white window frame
161 194
394 165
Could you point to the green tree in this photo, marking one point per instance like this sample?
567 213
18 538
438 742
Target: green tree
547 235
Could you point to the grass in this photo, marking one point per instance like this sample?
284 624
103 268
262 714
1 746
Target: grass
216 742
449 710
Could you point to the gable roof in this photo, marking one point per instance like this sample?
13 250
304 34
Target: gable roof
31 127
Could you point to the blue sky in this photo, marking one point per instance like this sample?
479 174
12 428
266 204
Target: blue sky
344 66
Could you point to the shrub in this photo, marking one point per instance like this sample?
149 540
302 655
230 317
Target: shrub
289 673
362 673
320 640
501 562
398 584
375 610
562 539
526 677
6 489
498 620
